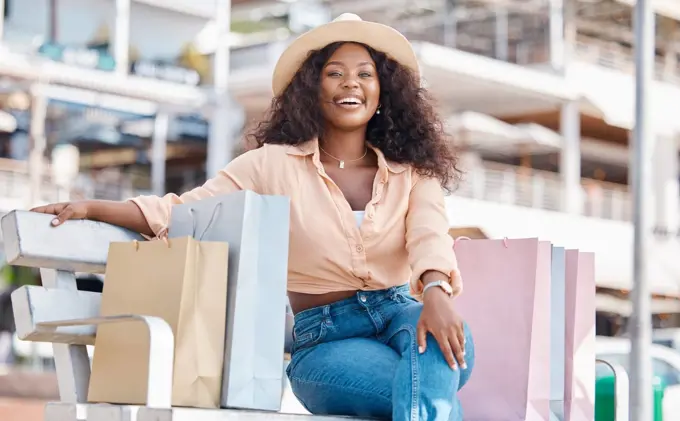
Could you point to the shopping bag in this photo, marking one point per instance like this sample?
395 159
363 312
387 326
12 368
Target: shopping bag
183 281
579 384
257 230
557 333
506 303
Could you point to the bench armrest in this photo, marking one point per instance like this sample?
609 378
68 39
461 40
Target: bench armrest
161 352
76 246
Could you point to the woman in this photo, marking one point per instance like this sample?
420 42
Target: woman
352 140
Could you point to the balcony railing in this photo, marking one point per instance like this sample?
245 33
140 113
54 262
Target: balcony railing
543 190
491 182
615 56
15 187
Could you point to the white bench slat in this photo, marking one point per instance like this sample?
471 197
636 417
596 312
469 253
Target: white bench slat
77 246
194 414
33 305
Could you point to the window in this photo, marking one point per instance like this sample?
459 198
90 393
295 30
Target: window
664 342
669 374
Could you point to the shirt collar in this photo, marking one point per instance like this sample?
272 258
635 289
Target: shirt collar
312 148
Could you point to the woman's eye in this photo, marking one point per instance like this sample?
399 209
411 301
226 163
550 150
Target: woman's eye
365 74
334 74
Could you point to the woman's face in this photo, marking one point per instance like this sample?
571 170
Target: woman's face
350 90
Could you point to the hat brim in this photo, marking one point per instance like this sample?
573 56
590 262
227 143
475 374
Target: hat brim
377 36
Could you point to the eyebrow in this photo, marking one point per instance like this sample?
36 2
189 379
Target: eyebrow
338 63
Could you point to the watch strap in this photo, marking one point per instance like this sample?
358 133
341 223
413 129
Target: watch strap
441 284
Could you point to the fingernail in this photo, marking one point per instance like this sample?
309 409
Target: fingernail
463 366
55 221
421 349
454 367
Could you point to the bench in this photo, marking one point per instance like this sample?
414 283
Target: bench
58 313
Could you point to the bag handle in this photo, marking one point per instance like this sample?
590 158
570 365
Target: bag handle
210 222
462 237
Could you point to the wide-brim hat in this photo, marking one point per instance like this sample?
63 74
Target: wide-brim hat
347 27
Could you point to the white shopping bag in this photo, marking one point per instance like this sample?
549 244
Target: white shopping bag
257 230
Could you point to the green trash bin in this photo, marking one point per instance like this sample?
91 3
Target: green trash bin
659 391
605 395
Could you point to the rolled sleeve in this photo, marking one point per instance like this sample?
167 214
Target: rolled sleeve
429 245
243 173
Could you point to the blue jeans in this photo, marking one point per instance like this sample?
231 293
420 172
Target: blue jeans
359 357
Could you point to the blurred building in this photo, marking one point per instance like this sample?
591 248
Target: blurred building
538 94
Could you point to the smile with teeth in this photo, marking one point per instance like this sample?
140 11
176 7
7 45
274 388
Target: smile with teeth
349 102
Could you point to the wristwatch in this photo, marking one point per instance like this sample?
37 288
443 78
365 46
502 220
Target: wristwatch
444 285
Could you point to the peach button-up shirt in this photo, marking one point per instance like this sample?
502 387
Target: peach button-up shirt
404 232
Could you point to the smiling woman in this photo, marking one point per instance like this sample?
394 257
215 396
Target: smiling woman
396 112
353 140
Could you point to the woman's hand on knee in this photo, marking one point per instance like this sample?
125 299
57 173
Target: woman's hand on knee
440 319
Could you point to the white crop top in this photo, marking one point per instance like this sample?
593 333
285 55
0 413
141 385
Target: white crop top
359 216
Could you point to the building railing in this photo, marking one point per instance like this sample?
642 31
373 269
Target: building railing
543 190
615 56
15 187
491 182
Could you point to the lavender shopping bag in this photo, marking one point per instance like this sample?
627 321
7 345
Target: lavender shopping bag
506 302
257 230
579 386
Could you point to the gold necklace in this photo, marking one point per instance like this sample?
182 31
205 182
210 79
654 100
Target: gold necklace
342 161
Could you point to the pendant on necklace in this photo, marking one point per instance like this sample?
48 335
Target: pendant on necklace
342 164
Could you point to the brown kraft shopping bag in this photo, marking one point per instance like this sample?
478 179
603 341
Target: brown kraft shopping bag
183 281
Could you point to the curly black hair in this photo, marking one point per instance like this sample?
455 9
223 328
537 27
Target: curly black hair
408 130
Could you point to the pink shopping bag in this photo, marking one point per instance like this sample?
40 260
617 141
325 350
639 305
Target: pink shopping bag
506 303
579 386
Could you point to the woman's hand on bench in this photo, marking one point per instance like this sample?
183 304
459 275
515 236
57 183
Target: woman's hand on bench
124 214
64 211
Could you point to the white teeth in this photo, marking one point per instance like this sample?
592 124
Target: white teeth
349 101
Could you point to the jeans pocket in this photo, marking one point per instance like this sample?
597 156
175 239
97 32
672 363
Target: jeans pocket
309 332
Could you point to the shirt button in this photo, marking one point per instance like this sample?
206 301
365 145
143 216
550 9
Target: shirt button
360 248
362 298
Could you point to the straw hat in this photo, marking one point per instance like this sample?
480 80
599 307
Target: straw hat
347 27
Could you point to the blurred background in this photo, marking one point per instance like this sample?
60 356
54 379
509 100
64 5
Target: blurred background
112 98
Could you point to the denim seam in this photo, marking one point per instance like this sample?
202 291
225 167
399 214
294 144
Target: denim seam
353 389
377 318
415 383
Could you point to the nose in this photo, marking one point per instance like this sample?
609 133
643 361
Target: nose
350 83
